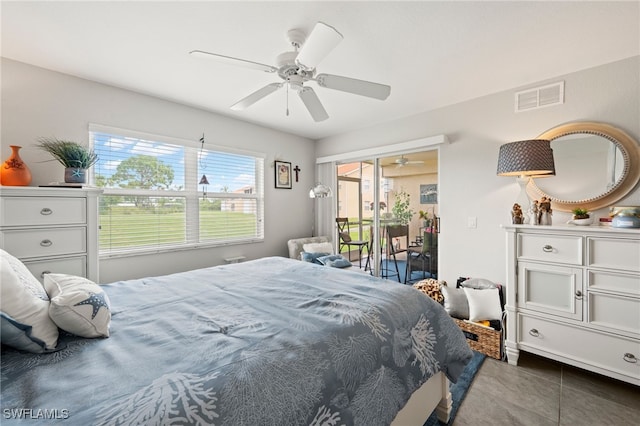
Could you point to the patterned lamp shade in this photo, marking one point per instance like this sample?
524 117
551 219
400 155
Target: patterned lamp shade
526 158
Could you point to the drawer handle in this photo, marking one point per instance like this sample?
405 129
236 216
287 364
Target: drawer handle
44 273
547 248
534 332
579 295
46 243
46 211
630 358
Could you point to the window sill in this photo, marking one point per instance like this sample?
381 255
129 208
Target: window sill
174 248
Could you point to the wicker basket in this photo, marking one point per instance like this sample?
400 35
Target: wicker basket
482 339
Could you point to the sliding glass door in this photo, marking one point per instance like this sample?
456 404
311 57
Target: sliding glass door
367 190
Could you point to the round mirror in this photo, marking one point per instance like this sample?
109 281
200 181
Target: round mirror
596 165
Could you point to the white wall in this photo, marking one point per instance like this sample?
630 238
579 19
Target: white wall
38 102
468 183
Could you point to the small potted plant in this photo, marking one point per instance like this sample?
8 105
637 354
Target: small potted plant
76 158
580 216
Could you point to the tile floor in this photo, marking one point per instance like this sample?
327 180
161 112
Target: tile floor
540 392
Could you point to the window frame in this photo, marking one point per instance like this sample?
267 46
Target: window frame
193 239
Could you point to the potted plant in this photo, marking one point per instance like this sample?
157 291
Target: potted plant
401 210
76 158
580 213
580 217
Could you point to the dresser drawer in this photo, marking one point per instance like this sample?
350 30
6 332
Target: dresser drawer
619 254
615 312
613 353
68 265
42 242
24 211
612 281
550 248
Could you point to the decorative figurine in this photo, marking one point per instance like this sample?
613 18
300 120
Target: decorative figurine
544 211
533 213
516 214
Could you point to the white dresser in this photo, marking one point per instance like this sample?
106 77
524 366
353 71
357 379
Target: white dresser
573 295
51 229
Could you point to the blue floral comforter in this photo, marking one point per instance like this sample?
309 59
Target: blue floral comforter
273 341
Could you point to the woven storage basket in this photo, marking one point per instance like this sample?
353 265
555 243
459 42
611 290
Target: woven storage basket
482 339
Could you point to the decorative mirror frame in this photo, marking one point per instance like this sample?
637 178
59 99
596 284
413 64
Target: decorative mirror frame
628 179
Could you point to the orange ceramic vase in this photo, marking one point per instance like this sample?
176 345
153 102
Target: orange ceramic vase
14 172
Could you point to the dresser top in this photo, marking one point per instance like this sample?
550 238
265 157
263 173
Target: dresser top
37 191
588 229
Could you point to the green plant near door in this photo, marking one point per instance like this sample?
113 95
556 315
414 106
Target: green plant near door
402 213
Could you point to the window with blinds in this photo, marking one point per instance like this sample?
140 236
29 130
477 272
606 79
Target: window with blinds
161 193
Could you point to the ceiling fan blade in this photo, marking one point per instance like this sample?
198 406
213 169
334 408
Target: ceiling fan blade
234 61
352 85
322 40
256 96
311 101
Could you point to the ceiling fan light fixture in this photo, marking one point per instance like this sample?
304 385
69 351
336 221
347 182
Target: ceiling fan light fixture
295 82
322 40
297 67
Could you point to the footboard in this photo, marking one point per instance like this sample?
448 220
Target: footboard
433 395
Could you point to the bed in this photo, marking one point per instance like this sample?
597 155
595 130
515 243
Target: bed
272 341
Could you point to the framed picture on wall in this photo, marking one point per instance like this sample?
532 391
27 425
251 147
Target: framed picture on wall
283 174
429 194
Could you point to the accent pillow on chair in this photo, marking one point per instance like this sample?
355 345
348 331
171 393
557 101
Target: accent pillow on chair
335 261
318 248
78 305
312 257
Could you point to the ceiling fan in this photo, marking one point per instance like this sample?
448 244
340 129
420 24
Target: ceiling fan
298 67
404 161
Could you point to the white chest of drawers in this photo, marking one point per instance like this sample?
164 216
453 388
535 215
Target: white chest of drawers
51 229
573 295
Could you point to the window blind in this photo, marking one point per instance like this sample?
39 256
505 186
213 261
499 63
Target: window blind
153 199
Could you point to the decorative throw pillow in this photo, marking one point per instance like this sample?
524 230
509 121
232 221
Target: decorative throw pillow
431 287
23 312
78 305
318 247
455 302
335 261
312 257
478 283
18 335
483 304
24 275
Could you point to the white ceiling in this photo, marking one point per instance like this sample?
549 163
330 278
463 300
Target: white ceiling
432 54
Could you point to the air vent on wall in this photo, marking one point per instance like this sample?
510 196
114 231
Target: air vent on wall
540 97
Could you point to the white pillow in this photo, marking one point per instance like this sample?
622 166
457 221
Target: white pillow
478 283
24 275
483 304
318 248
455 302
24 312
78 305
